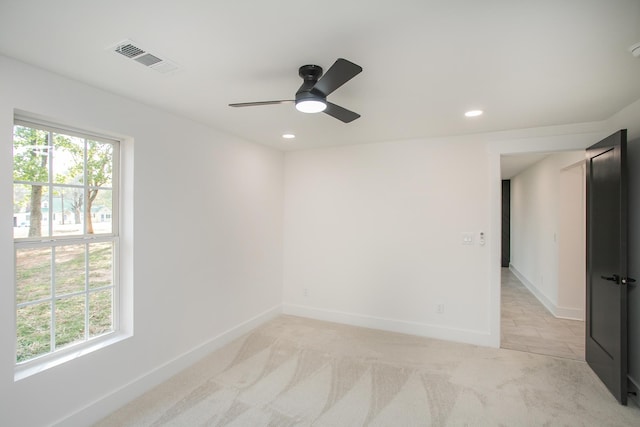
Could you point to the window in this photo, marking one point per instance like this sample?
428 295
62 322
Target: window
65 229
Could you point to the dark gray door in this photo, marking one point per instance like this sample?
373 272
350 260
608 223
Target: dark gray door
606 310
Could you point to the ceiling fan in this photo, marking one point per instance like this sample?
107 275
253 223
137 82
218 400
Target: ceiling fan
312 95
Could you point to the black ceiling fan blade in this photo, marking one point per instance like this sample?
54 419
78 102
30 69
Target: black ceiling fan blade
340 72
253 104
341 113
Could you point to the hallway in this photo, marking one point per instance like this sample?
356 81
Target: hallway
526 325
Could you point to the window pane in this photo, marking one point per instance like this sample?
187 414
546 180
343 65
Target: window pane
21 207
70 316
99 164
33 331
30 155
68 159
100 312
33 274
100 265
30 211
67 211
70 269
101 214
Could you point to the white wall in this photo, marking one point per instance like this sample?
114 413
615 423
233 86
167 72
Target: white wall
373 233
572 239
195 284
536 234
373 236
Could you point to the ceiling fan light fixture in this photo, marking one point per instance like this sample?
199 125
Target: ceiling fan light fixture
311 106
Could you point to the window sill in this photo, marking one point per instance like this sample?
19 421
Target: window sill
40 364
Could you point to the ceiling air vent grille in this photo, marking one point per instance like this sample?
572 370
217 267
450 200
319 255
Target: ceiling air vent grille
148 59
142 56
129 50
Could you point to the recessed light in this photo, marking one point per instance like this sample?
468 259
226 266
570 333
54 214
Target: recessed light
473 113
288 136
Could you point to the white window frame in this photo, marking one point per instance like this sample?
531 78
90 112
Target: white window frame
89 344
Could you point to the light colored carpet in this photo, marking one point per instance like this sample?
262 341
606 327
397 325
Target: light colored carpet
295 372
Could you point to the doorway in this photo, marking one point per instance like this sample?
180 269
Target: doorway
542 290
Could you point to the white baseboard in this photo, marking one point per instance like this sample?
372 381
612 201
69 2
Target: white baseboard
393 325
559 312
569 313
102 407
534 290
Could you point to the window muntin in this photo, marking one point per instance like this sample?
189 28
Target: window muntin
65 237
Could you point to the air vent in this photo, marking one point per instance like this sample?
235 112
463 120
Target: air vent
132 50
148 59
129 50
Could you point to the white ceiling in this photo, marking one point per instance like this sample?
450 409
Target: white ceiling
526 63
512 164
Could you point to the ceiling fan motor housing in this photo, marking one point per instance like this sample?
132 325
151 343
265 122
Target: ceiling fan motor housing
310 74
311 95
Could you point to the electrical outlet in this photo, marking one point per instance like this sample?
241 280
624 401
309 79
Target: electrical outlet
440 308
305 292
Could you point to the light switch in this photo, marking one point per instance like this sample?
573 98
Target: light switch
467 238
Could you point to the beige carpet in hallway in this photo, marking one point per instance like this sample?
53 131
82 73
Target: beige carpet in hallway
526 325
294 372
